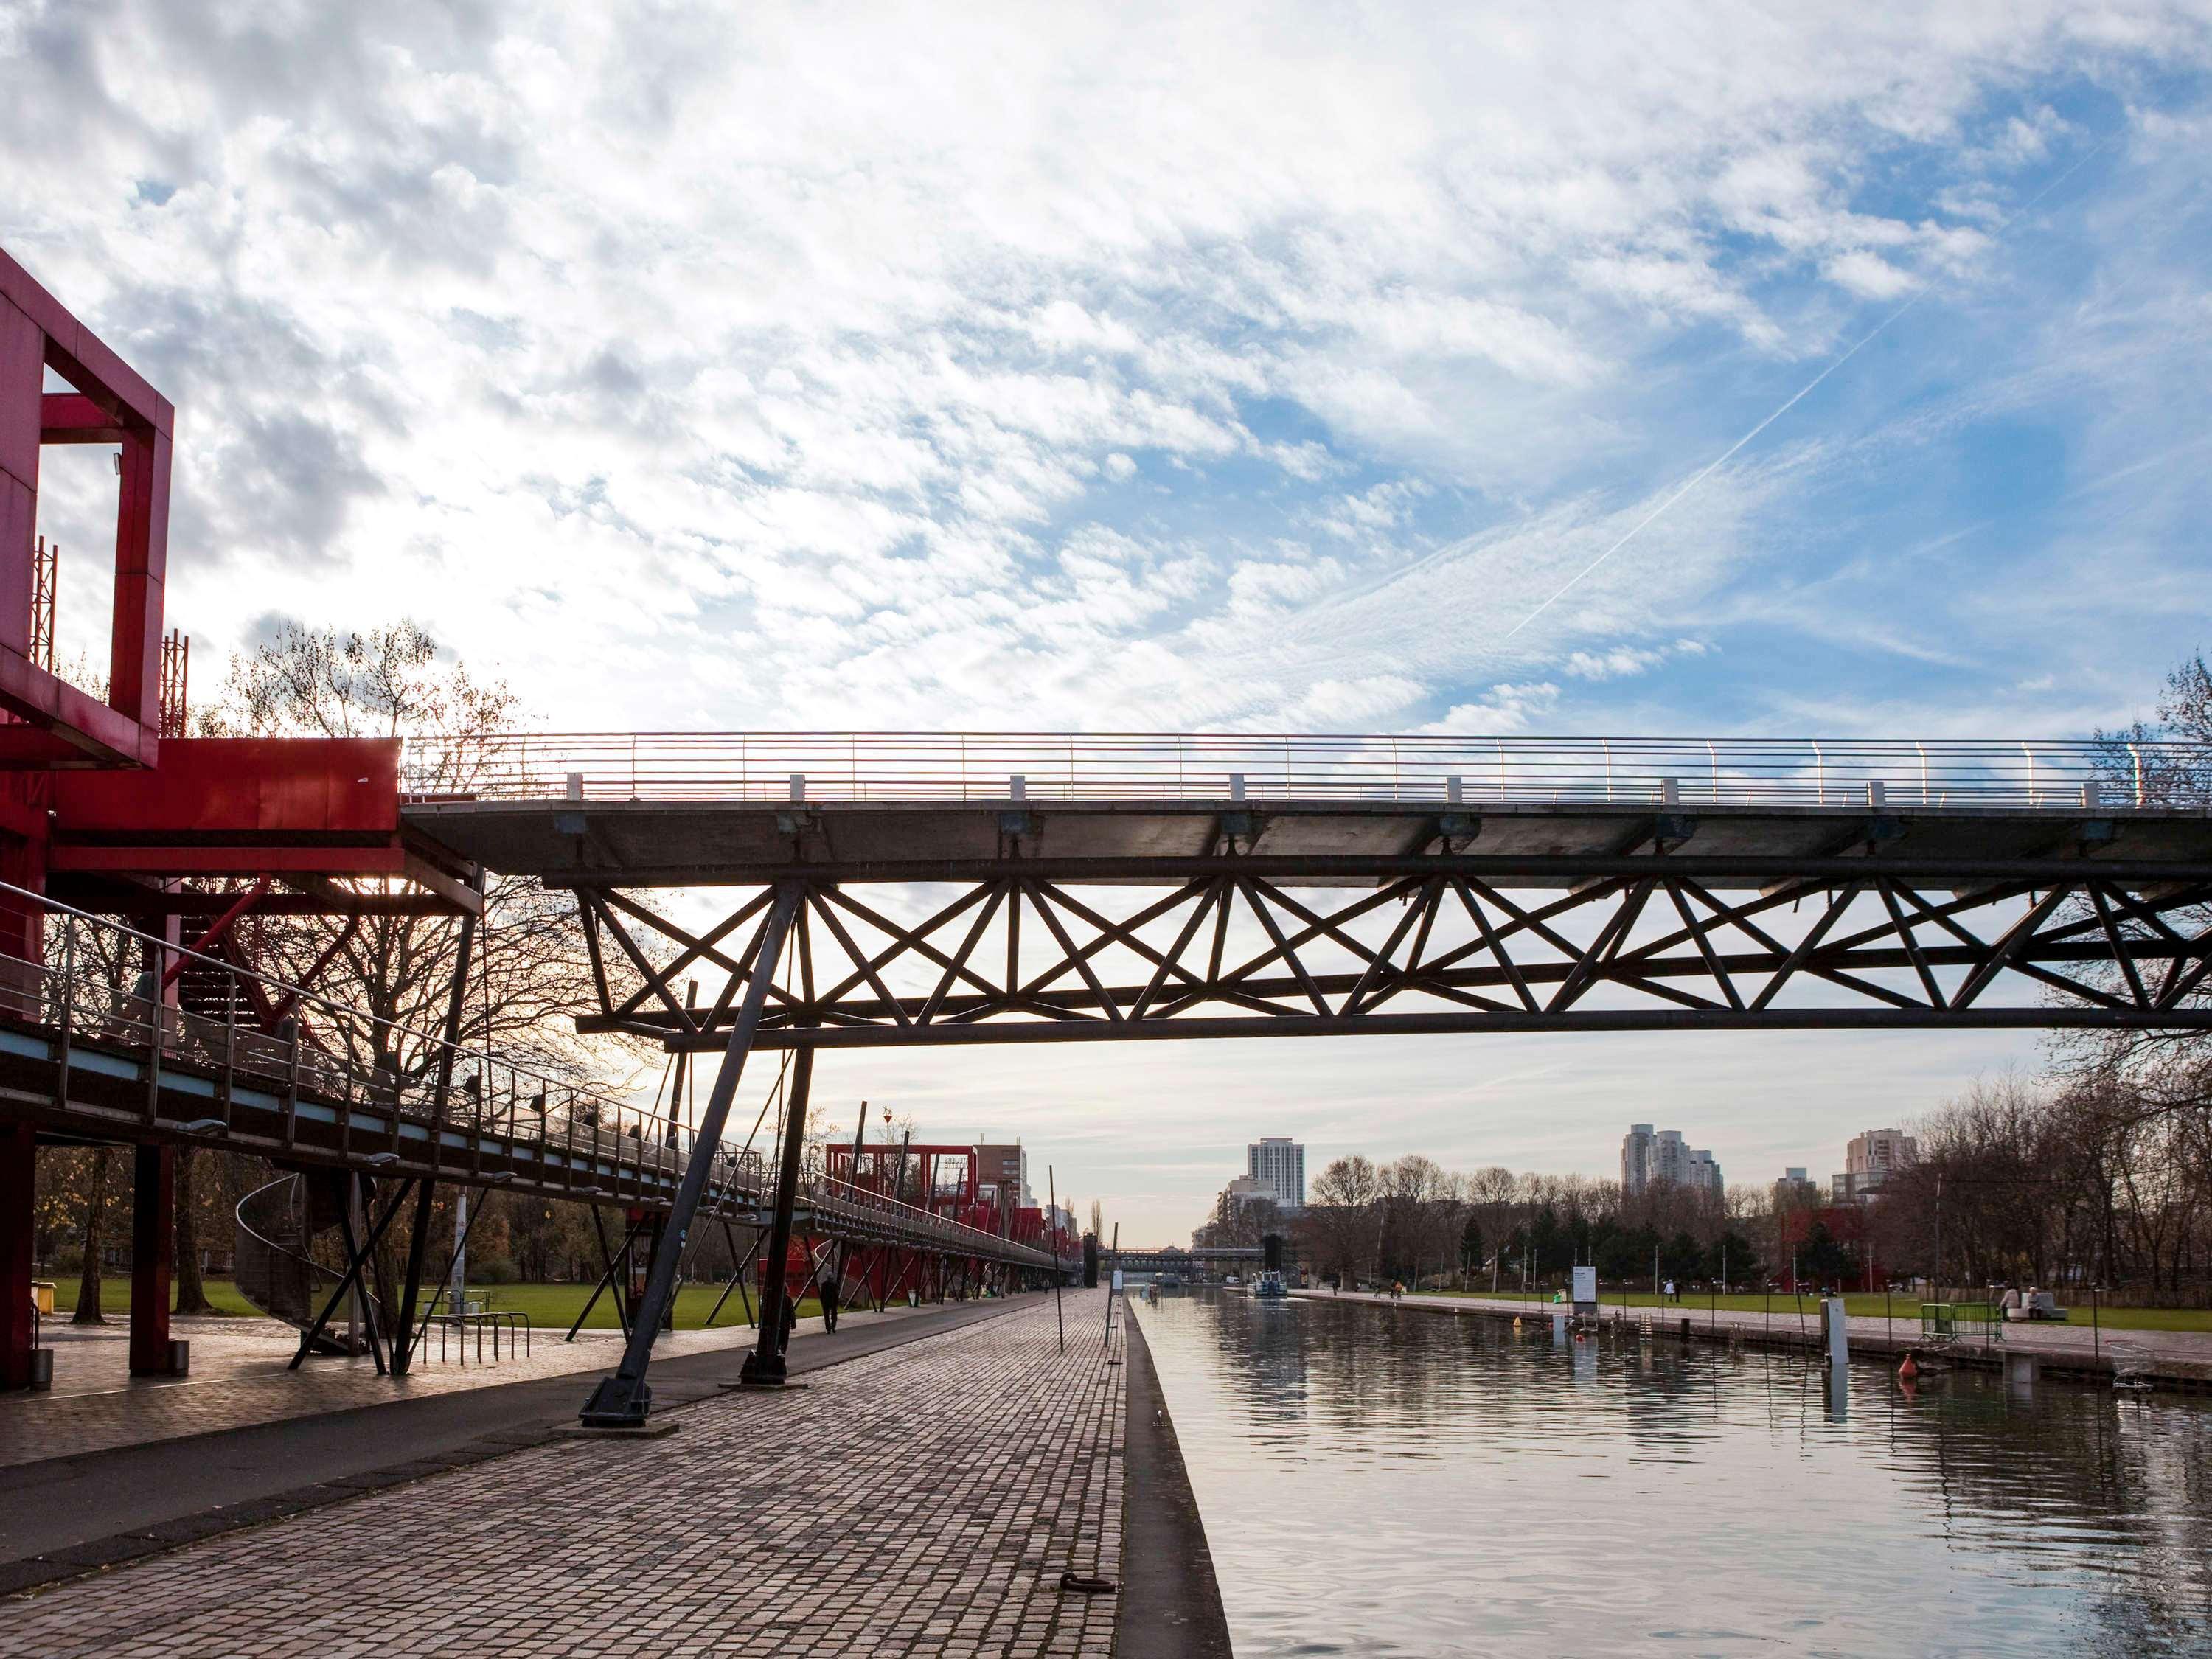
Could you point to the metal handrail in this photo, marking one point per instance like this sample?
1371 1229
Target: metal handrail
2069 774
971 1241
67 987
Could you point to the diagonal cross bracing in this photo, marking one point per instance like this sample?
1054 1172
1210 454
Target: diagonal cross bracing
1240 953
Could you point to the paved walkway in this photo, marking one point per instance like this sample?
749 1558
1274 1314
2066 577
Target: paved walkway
925 1499
240 1378
2186 1353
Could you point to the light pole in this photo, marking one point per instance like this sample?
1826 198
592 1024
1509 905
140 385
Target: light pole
1939 1238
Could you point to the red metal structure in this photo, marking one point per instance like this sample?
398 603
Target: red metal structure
99 807
941 1178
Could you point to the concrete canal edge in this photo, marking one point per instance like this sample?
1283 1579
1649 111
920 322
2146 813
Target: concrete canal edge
1682 1323
1170 1602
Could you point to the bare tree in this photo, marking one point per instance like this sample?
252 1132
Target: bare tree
530 973
1341 1225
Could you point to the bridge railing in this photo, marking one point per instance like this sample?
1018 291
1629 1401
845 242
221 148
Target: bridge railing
1429 771
113 988
828 1194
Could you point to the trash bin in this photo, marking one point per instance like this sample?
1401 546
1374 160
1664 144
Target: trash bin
42 1295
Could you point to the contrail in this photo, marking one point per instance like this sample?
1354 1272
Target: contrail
1865 339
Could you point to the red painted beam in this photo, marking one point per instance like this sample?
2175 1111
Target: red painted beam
228 860
70 417
67 726
211 788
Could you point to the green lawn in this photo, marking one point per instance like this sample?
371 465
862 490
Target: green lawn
1859 1305
115 1298
549 1306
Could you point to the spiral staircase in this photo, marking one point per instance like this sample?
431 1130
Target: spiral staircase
277 1271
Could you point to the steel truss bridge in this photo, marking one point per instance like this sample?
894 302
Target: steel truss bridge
910 889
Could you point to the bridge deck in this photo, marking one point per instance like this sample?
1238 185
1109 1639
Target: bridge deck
1319 843
661 808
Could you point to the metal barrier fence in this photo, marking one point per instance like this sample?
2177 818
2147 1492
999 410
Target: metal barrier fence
893 767
100 986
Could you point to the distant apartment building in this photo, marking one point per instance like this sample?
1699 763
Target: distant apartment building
1635 1158
1870 1159
1004 1170
1648 1157
1278 1165
1795 1190
1704 1173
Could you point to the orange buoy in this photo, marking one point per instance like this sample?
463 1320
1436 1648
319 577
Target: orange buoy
1910 1368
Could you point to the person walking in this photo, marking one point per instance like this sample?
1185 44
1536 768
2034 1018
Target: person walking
827 1277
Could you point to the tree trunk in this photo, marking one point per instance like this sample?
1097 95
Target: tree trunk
88 1285
191 1294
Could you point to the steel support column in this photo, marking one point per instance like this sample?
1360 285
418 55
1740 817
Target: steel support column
19 1168
153 1252
765 1363
625 1400
418 1237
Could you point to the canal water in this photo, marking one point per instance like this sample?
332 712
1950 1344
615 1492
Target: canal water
1387 1481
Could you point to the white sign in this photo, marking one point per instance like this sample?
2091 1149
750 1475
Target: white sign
1585 1285
1117 1279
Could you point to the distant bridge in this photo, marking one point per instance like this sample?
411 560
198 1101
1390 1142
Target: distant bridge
1173 1258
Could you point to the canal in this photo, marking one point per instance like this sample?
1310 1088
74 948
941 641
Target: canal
1388 1480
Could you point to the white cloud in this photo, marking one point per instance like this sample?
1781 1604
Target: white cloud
1507 708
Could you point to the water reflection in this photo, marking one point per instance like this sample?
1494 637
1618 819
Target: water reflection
1393 1480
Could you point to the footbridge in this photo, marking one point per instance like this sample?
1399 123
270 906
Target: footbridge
896 890
1176 1259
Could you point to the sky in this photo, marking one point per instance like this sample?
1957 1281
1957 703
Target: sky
1213 368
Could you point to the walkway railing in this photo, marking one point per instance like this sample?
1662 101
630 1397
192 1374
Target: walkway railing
893 767
99 986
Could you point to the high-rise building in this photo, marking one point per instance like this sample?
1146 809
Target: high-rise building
1635 1158
1701 1174
1871 1157
1649 1156
1279 1163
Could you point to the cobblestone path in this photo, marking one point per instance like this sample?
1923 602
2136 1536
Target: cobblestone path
922 1500
239 1377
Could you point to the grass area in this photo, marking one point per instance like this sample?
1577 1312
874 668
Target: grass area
553 1306
1857 1304
115 1298
548 1305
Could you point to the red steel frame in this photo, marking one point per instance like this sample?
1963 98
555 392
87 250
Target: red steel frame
108 404
98 799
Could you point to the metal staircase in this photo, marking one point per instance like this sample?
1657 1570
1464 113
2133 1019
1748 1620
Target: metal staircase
277 1271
